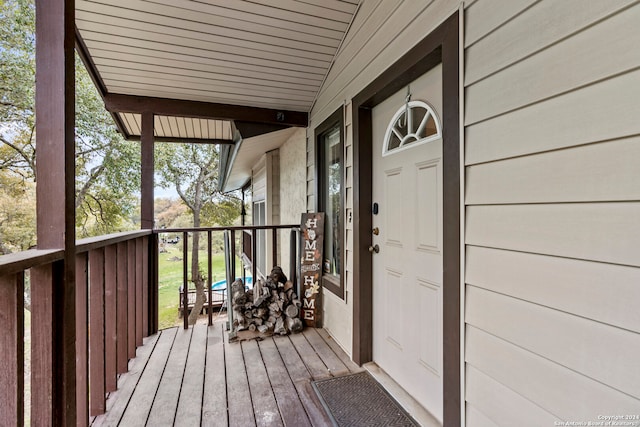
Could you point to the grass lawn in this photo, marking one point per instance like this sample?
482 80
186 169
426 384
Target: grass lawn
170 280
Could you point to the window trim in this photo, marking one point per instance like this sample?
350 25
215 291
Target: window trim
333 284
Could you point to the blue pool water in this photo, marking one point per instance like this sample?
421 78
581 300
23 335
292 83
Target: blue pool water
222 284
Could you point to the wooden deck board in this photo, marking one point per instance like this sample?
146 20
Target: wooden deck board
326 353
165 403
214 402
265 407
238 394
351 366
301 378
312 361
190 404
196 377
127 384
141 401
289 404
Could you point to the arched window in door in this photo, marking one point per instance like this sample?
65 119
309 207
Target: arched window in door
414 123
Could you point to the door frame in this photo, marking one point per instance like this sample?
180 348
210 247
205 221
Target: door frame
441 46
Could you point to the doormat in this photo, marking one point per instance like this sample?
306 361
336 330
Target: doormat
358 400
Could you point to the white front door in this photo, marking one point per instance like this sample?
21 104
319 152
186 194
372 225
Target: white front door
407 270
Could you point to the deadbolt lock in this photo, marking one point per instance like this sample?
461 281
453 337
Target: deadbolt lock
376 231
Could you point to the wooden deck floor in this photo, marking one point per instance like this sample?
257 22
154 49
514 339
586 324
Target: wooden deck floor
195 377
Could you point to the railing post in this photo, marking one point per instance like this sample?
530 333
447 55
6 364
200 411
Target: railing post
12 344
274 248
153 284
209 279
185 280
233 255
293 254
254 255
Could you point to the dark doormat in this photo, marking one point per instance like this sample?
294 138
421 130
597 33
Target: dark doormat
358 400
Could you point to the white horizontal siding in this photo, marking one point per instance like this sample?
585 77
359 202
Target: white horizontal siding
604 232
552 194
562 392
601 352
578 174
483 17
541 26
477 418
592 290
585 58
498 405
599 112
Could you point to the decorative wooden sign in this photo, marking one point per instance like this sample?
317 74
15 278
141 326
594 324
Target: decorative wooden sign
311 268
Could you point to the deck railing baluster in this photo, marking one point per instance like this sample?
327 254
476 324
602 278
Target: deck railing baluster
82 340
122 307
110 315
131 298
139 297
12 341
97 401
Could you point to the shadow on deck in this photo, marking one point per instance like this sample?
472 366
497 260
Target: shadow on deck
195 377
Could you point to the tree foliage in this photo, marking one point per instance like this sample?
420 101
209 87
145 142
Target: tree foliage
107 167
193 171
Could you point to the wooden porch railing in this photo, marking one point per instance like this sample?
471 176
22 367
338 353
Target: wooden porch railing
116 306
248 236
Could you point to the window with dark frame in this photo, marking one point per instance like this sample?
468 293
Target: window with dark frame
329 137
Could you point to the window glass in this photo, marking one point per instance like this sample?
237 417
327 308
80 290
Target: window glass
331 195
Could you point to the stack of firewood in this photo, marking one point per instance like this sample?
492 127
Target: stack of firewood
271 306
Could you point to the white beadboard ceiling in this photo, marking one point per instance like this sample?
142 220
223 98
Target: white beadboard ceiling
260 53
180 127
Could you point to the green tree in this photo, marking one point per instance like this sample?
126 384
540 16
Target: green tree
107 167
192 169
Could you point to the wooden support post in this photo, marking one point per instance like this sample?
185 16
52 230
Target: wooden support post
147 171
12 344
82 340
54 357
97 403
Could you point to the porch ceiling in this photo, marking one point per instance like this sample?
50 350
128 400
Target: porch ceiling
271 54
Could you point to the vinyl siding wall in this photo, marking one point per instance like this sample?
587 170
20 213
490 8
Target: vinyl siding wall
552 196
293 196
553 214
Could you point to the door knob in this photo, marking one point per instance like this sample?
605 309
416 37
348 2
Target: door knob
374 249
